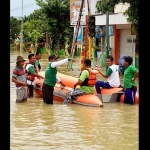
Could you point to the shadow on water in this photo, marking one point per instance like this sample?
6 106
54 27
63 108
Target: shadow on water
35 125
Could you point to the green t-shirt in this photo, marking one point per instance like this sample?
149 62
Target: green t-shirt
86 89
31 70
128 75
36 63
50 75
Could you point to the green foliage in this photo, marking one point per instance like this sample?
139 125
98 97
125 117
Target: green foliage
131 12
35 21
35 35
14 28
28 28
53 17
12 47
106 5
39 21
59 21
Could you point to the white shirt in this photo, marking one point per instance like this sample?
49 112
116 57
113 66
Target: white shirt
28 81
58 63
113 79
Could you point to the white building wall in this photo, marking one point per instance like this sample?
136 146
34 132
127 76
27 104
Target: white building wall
93 8
126 45
114 19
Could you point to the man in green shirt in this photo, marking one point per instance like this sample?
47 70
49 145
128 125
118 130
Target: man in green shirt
37 63
31 73
130 75
83 79
51 77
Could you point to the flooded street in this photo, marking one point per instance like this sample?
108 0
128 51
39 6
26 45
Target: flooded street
37 126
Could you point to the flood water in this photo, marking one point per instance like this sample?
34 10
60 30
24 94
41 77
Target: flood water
37 126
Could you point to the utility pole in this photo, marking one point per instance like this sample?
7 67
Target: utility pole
21 42
107 35
47 40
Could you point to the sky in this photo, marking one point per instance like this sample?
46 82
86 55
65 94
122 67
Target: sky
28 7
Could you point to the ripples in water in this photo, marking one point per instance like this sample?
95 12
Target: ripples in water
35 125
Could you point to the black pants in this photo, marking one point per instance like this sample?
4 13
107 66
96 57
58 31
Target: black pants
31 90
47 94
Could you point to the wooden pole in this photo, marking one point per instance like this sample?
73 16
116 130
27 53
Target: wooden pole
85 36
47 40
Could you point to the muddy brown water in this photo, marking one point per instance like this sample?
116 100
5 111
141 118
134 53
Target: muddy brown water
35 125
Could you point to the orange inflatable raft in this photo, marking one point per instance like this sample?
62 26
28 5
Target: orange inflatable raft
108 95
136 98
60 94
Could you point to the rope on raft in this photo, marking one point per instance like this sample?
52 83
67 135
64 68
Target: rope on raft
73 95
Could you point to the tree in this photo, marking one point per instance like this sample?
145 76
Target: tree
31 34
35 35
131 12
25 18
28 28
35 21
15 27
39 20
59 21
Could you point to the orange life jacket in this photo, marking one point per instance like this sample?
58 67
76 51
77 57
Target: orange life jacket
29 76
91 80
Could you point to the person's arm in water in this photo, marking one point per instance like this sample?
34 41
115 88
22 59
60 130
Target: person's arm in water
61 62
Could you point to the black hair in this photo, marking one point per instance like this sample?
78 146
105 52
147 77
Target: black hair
30 56
110 57
128 59
37 53
87 62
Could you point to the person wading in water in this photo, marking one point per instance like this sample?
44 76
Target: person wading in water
51 77
31 73
19 78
